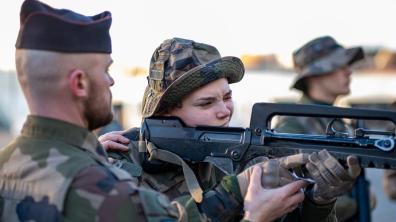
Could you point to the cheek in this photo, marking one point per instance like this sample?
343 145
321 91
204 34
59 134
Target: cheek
194 118
230 106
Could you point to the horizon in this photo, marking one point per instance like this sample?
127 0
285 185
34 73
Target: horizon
233 27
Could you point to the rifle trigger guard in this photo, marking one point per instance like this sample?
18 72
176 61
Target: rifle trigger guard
386 144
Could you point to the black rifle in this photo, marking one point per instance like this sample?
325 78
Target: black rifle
231 148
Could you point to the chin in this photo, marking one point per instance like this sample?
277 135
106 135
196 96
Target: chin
225 125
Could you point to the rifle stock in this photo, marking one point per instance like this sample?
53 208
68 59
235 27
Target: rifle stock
231 148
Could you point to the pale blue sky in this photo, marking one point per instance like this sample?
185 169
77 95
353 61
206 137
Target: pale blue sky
234 27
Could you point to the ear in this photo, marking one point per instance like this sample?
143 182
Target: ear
78 83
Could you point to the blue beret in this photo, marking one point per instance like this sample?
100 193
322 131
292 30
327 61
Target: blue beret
45 28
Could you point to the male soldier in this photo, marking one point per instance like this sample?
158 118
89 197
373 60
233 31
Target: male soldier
56 169
191 80
323 68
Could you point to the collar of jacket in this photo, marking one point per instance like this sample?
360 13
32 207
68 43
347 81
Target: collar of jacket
305 99
56 130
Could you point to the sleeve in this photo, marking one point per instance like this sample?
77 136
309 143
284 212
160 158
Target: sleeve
288 124
221 203
310 212
97 195
317 213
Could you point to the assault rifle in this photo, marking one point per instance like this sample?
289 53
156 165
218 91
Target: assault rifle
231 148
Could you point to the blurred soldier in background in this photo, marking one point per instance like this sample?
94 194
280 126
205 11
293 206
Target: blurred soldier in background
323 68
390 183
191 80
389 180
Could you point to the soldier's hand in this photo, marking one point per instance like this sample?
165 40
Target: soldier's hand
275 172
332 179
261 204
114 141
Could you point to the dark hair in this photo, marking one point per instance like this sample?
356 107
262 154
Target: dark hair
165 109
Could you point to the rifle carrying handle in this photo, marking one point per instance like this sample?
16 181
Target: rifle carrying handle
262 113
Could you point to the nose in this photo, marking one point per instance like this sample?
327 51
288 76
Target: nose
111 81
223 111
347 71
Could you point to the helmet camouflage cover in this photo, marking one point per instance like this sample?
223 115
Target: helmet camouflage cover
180 66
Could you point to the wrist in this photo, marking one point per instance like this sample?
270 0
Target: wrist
249 217
316 199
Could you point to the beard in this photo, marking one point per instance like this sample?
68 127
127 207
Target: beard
97 112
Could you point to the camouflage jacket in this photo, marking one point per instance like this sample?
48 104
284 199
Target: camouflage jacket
57 171
216 206
306 125
222 200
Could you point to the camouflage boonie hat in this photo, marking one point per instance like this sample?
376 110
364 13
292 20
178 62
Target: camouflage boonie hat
321 56
180 66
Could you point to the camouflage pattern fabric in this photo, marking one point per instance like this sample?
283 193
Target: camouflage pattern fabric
221 203
170 181
57 171
307 125
179 66
346 207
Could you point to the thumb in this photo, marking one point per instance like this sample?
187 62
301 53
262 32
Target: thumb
353 166
255 180
244 179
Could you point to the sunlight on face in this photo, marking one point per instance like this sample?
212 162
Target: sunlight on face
210 105
338 82
98 106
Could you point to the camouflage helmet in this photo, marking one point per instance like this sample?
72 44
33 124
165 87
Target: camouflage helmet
321 56
180 66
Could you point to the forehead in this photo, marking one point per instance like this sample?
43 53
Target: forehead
219 86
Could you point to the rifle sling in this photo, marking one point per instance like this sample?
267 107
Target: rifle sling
191 180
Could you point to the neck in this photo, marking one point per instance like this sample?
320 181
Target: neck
59 110
322 97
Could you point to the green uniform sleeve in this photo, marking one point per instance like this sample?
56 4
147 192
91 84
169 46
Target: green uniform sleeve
318 213
97 195
221 203
289 124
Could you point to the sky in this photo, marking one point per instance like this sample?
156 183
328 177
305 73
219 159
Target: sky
234 27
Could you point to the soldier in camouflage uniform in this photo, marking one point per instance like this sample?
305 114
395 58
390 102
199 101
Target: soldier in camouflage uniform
323 68
191 81
56 169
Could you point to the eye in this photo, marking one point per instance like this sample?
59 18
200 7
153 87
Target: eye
205 103
227 97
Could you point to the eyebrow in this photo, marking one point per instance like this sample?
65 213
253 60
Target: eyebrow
210 98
